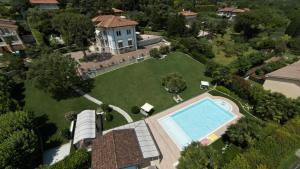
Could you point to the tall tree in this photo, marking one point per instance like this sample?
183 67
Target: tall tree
75 28
55 73
196 156
18 141
176 25
7 103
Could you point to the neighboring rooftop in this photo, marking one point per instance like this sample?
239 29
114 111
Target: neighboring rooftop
233 9
44 2
290 72
116 149
187 13
85 126
8 23
112 21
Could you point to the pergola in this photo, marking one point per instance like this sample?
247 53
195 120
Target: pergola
204 84
146 108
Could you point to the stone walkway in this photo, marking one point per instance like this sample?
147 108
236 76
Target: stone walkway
115 108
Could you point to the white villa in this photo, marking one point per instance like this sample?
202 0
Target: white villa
115 34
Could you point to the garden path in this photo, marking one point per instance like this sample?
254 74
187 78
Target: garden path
96 101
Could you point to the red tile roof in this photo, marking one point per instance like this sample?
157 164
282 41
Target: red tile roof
112 21
187 13
44 2
116 149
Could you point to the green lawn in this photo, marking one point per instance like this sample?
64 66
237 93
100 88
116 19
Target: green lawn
42 103
126 87
140 83
118 120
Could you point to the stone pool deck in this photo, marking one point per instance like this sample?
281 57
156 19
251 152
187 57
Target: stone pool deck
169 151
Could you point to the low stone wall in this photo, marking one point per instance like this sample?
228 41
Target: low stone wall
150 41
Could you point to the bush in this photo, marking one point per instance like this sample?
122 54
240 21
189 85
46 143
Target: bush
174 83
154 53
135 110
70 116
78 159
223 89
105 107
108 116
65 133
164 50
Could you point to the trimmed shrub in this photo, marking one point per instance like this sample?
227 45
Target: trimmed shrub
135 110
164 50
105 107
154 53
174 83
70 116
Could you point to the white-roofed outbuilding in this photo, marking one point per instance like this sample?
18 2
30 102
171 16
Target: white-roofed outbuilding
85 129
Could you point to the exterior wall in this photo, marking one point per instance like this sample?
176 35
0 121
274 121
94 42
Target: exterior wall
289 88
150 41
110 36
47 6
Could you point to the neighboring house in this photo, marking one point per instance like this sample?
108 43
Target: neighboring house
285 80
9 38
86 128
190 17
115 34
126 147
231 12
45 4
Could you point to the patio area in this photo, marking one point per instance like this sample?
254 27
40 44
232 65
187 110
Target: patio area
169 150
97 61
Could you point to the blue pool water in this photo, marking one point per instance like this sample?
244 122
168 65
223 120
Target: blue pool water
195 122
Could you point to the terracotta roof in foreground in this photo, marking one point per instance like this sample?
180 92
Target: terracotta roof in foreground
116 149
44 2
291 72
112 21
8 23
187 13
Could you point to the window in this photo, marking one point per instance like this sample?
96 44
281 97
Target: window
128 31
120 44
106 43
119 33
104 33
129 42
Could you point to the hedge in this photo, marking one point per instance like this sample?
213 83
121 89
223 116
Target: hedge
78 159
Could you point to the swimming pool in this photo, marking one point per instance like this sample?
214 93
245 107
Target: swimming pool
196 121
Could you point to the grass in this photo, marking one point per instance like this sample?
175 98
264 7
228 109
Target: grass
139 83
42 104
290 162
118 120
